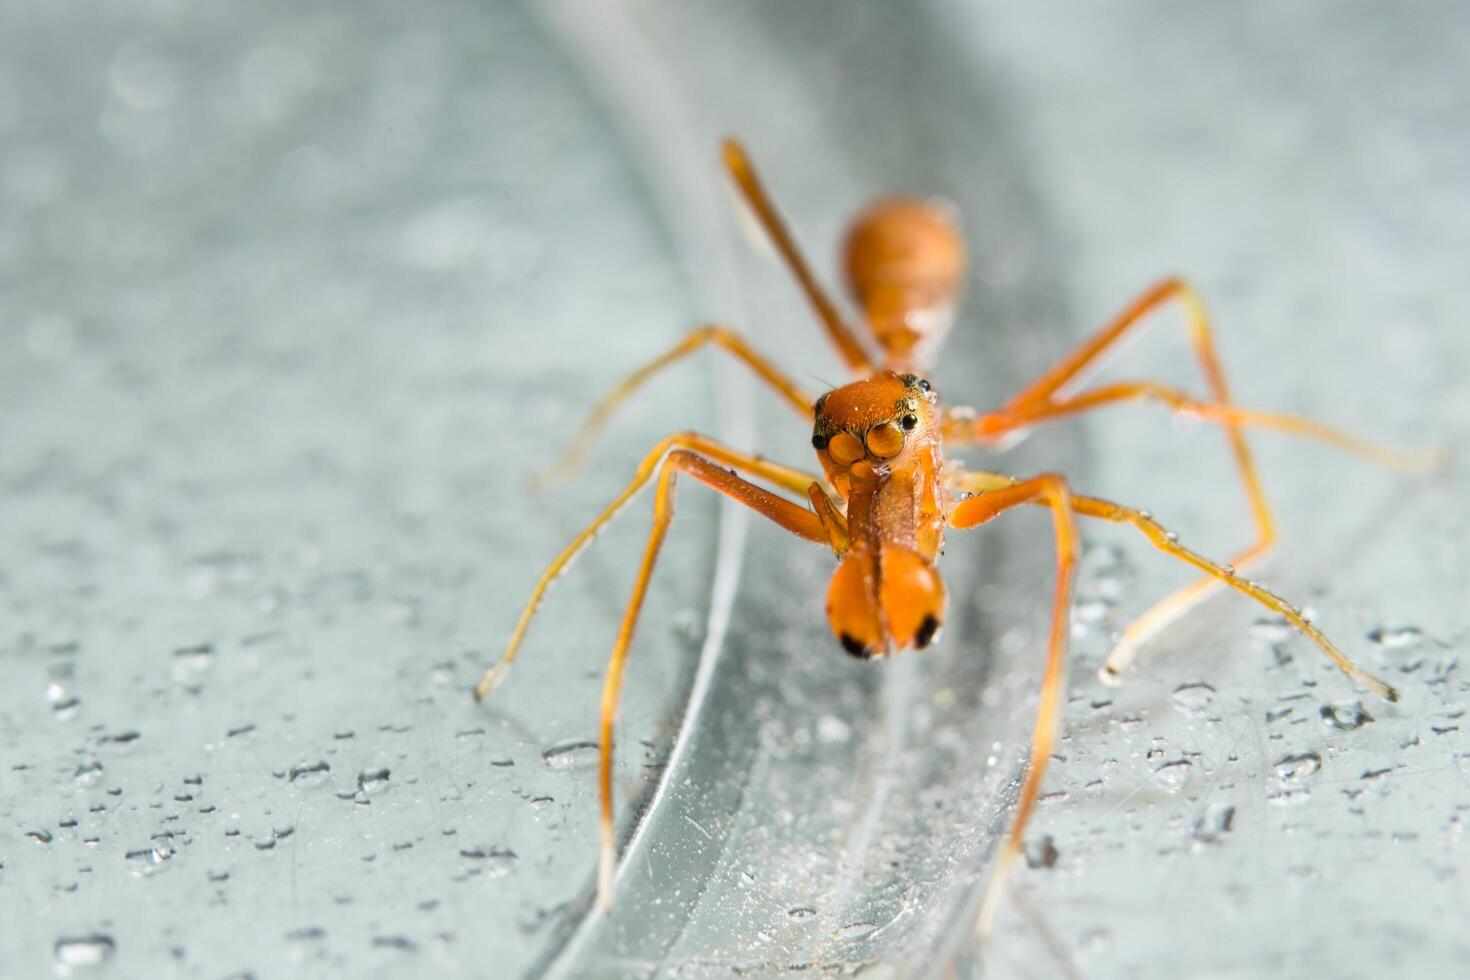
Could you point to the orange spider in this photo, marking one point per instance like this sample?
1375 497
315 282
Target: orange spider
887 494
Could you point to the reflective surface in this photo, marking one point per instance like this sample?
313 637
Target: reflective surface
285 332
296 302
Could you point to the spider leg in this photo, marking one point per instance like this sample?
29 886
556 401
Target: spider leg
719 336
994 426
669 458
785 477
1050 396
996 494
1049 490
742 171
1169 544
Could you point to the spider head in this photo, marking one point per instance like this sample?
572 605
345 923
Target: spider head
868 429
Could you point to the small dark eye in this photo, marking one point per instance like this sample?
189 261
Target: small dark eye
908 422
924 384
819 441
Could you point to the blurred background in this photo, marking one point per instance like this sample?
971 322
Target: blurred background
294 299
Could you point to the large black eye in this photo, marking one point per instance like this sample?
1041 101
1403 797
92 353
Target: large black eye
924 384
819 441
908 422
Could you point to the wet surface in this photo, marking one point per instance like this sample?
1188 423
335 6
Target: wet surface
295 301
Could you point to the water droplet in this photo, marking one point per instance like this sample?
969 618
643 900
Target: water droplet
371 781
84 950
832 730
1298 767
312 775
1271 629
571 755
1173 775
148 860
1194 699
497 860
88 773
1396 637
395 942
1214 822
199 657
1346 716
1288 797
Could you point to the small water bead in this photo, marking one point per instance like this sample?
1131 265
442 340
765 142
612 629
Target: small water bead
1173 775
1193 699
371 781
832 730
1298 767
571 755
857 930
148 860
1346 716
1271 629
88 773
84 950
497 861
1215 822
309 775
1396 637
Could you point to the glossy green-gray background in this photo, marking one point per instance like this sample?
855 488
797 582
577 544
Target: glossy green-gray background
294 299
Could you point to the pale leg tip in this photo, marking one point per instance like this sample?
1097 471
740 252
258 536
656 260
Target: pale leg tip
606 863
985 918
1109 675
487 683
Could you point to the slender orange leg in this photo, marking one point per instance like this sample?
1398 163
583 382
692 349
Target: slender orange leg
719 336
996 494
993 426
792 517
1168 543
1050 490
783 476
1052 389
841 335
668 458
